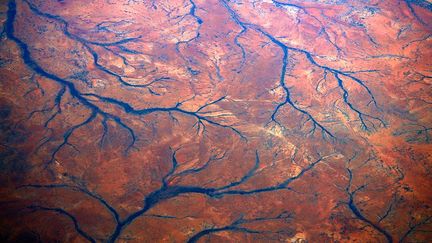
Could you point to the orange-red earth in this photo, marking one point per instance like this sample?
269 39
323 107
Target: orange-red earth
216 121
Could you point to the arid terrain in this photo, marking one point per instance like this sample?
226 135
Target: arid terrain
216 121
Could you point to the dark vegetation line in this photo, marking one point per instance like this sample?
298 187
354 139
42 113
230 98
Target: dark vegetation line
336 73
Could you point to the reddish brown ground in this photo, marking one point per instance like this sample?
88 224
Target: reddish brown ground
219 121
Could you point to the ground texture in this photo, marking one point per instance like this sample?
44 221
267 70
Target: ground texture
216 121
